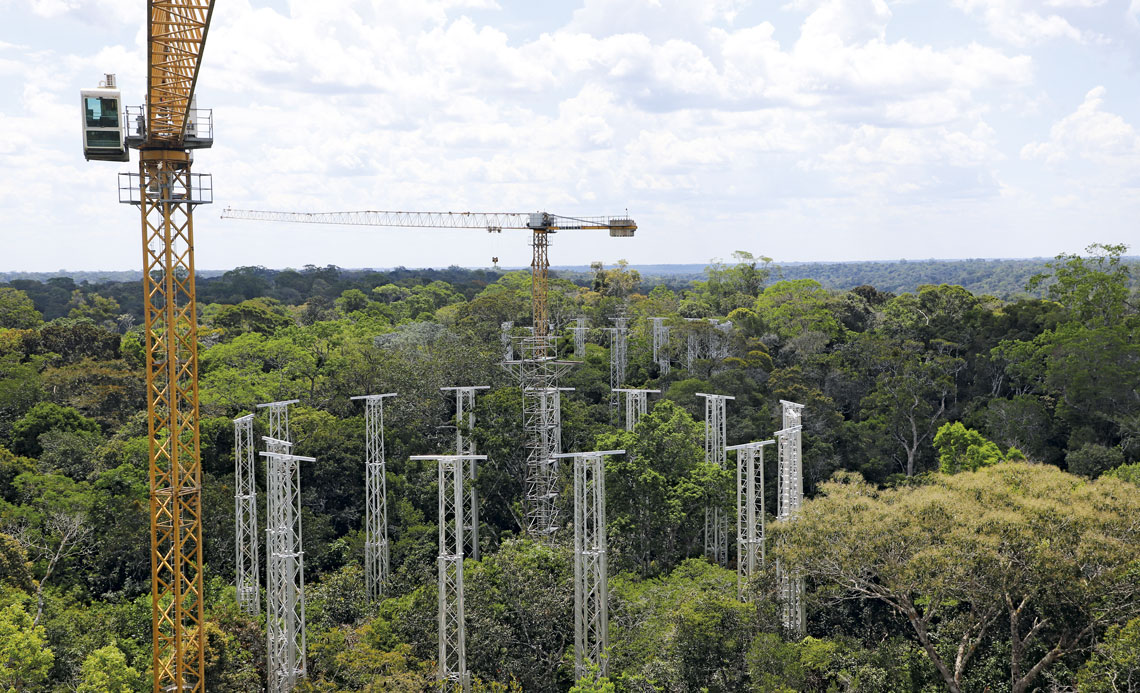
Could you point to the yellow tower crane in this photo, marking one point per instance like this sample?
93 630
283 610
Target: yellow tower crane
541 225
164 131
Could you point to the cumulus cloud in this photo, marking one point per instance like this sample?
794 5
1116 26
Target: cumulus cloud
1089 133
1019 23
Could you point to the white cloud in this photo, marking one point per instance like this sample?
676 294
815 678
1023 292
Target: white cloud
1013 21
1089 133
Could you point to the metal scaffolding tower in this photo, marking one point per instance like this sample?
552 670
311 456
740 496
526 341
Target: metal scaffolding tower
716 516
722 335
248 580
279 418
465 445
636 404
660 344
285 579
750 555
591 582
692 344
505 339
619 346
789 499
538 372
452 630
375 496
579 331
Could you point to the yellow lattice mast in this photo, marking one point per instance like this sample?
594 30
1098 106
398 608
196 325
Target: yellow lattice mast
168 193
164 132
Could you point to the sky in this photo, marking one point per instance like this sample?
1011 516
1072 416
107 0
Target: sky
804 130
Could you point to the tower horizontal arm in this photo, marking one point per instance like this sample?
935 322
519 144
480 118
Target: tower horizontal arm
491 221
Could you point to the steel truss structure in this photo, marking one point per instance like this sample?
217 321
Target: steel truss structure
789 499
716 515
591 581
505 339
579 331
279 418
285 579
376 569
660 344
246 540
619 351
465 445
750 554
636 404
452 628
539 373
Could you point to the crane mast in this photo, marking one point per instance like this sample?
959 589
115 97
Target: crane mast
166 192
541 225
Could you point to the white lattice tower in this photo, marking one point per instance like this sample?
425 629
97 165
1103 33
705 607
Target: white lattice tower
579 331
452 627
750 554
660 344
591 581
789 499
636 404
716 516
538 374
246 538
285 579
692 343
505 340
619 345
279 418
376 567
465 445
721 338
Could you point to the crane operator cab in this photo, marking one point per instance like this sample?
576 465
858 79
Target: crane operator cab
102 123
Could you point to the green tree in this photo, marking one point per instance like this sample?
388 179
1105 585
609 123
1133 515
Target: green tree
45 417
25 658
1115 664
964 449
106 671
17 310
1093 289
1092 460
964 557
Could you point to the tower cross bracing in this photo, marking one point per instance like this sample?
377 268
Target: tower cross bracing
716 515
619 346
660 344
789 499
538 374
750 553
278 418
285 578
246 541
376 567
636 404
591 579
465 445
452 628
579 331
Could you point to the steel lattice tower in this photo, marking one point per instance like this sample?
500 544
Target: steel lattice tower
789 498
246 540
636 404
692 343
591 581
452 628
375 496
619 345
716 517
660 344
279 418
465 445
720 338
505 339
285 579
539 373
579 331
750 556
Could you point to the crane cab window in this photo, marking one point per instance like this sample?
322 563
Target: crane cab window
102 112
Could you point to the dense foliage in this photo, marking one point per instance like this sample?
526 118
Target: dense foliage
972 464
